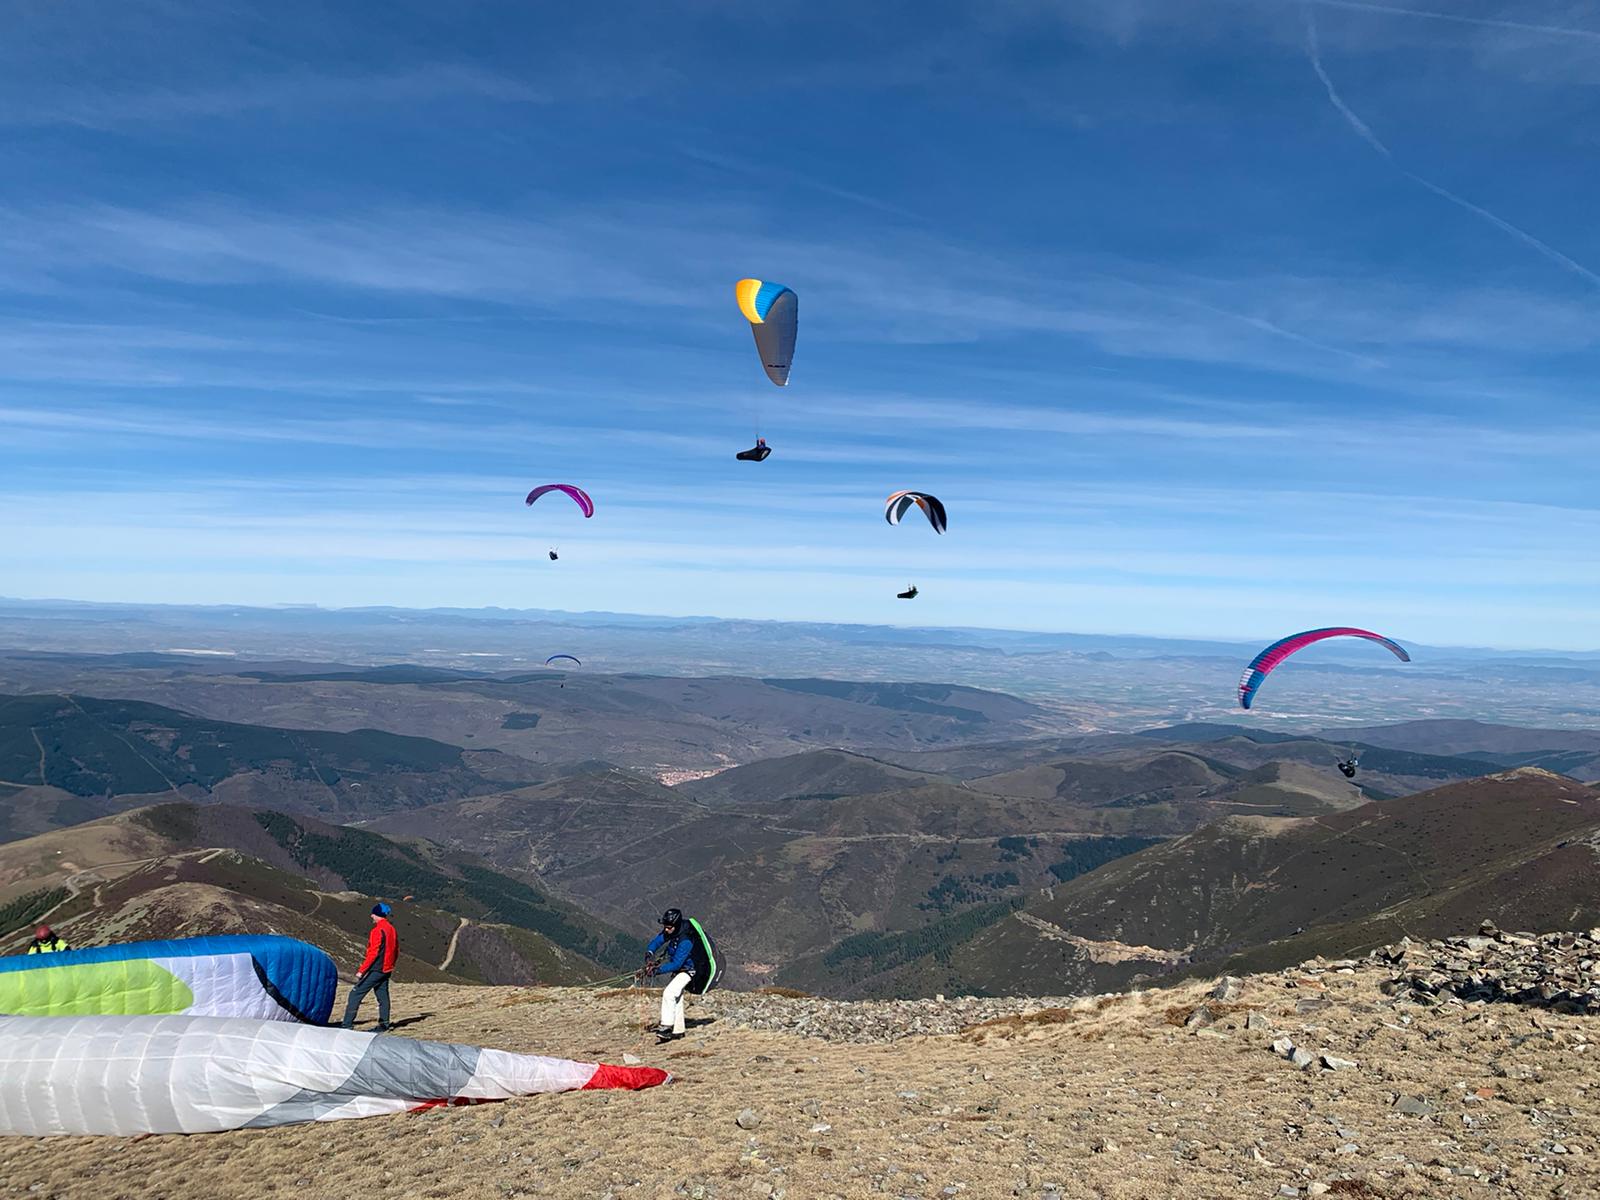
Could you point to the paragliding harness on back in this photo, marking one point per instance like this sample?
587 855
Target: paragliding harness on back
756 453
702 957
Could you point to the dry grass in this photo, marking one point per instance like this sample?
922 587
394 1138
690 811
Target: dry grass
526 997
1177 1014
1015 1023
1106 1101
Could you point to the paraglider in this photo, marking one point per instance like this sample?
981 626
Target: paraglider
689 962
553 555
901 503
756 453
568 657
171 1074
1347 767
1264 663
909 594
270 978
577 494
774 314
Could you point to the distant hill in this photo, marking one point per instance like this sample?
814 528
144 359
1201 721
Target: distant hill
792 856
813 775
93 751
770 855
176 870
547 721
1574 752
1203 731
1519 848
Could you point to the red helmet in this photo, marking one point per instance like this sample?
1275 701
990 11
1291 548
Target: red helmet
43 932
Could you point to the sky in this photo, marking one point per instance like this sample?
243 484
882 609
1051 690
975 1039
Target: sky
1216 318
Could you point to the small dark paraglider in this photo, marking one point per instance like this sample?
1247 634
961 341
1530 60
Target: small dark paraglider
1347 767
756 453
909 594
554 556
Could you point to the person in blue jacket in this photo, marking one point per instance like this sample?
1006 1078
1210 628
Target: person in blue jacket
677 964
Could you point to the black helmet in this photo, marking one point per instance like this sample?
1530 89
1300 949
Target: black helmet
671 919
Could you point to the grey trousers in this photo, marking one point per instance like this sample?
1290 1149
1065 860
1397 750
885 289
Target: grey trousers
371 981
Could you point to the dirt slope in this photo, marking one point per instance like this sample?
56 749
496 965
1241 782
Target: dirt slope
1111 1098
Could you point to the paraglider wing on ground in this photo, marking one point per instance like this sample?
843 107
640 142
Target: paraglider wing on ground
133 1075
271 978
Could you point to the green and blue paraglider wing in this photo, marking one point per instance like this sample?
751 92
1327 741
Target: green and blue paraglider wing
271 978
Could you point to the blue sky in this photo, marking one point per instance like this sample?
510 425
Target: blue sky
1218 319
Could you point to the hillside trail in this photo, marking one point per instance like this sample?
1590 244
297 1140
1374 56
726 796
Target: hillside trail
1109 1098
78 880
450 951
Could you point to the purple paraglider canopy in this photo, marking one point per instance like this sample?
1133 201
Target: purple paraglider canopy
579 496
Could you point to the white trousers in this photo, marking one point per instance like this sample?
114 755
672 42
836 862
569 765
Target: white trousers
672 1002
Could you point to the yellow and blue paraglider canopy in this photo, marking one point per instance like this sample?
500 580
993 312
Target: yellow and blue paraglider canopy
773 311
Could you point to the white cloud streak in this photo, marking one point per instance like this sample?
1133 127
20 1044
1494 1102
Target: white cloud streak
1559 31
1364 131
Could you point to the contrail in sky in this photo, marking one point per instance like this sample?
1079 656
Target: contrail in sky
1457 19
1314 51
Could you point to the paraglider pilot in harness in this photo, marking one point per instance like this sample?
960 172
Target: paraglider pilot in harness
688 960
47 941
909 594
1348 766
756 453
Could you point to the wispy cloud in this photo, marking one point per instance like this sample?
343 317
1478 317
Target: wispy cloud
94 108
1559 31
1364 131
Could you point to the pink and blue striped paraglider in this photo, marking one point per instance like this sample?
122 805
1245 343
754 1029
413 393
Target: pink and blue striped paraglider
1267 661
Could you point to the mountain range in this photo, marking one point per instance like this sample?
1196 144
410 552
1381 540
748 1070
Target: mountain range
848 836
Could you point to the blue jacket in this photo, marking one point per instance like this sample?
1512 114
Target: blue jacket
679 952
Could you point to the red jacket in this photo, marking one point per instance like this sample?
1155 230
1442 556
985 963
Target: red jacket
383 947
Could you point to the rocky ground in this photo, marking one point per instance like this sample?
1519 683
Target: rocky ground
1442 1069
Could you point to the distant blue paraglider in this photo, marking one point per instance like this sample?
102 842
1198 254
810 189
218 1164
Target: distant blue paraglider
568 657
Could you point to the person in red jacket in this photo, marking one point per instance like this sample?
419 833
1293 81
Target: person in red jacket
383 947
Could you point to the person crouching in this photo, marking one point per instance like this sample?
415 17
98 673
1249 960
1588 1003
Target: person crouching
677 965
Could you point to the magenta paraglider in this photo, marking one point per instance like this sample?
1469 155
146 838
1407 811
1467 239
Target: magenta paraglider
1264 663
578 495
